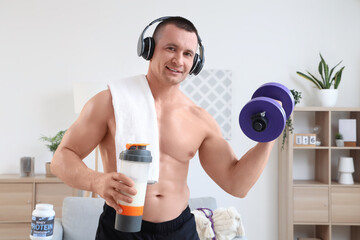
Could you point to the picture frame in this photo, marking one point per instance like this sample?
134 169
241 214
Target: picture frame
347 127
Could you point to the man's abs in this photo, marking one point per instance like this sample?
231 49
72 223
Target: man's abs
164 202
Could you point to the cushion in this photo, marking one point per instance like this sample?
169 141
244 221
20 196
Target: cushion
202 202
80 217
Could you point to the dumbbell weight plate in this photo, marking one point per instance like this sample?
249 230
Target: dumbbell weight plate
274 113
279 92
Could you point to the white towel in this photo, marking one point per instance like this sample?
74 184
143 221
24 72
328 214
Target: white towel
203 226
227 224
135 117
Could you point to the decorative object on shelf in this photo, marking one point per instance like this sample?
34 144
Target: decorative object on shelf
48 172
346 168
339 140
317 130
327 96
305 140
27 166
347 127
289 125
53 144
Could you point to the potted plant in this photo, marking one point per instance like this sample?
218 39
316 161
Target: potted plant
328 84
339 140
52 144
289 126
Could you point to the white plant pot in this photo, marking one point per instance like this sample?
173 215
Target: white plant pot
327 97
339 143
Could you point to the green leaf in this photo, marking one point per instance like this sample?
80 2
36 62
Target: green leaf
318 81
326 79
296 95
310 79
321 70
337 78
54 142
331 71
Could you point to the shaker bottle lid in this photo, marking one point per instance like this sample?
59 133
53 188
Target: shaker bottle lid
137 153
136 145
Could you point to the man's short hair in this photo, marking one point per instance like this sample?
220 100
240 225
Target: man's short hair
180 22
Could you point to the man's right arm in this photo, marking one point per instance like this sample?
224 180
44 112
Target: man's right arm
79 140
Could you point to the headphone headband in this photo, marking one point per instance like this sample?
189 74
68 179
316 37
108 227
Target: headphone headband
145 48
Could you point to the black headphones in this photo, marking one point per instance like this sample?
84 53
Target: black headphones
145 49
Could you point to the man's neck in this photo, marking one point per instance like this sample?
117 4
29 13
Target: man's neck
162 92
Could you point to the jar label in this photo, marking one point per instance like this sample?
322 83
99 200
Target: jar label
42 226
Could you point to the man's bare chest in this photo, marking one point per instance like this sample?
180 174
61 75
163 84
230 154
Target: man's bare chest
180 134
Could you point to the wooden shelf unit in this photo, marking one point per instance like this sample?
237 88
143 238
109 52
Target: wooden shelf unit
18 197
311 201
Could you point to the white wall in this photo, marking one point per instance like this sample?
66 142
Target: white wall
45 46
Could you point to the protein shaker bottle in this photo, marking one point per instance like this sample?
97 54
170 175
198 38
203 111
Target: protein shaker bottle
134 162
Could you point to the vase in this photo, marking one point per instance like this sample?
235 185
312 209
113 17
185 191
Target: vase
48 170
327 97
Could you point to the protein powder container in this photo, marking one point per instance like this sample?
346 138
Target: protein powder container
42 222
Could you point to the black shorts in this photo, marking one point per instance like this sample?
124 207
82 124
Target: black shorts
181 228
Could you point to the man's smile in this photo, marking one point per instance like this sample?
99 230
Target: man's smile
174 70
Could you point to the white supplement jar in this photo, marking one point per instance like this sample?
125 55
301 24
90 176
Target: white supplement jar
42 222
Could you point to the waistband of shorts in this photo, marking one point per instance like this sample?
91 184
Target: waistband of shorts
169 226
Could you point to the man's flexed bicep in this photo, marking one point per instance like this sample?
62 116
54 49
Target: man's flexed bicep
217 157
234 176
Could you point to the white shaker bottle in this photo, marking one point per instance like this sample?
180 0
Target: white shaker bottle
134 163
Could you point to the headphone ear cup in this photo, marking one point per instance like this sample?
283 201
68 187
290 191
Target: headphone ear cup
149 46
197 65
195 62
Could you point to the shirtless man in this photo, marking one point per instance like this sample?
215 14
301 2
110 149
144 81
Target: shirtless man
184 129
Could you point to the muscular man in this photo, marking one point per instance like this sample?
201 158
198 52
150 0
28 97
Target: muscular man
184 129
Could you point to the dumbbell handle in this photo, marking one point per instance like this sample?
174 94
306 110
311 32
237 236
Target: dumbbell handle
259 121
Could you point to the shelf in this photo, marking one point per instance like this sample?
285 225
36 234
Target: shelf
326 147
308 166
326 109
344 232
318 147
311 201
4 178
311 231
336 184
346 224
309 183
345 148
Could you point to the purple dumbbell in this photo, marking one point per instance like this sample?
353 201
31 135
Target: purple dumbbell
263 119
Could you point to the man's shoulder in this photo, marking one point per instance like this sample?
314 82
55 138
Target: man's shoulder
100 102
102 97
